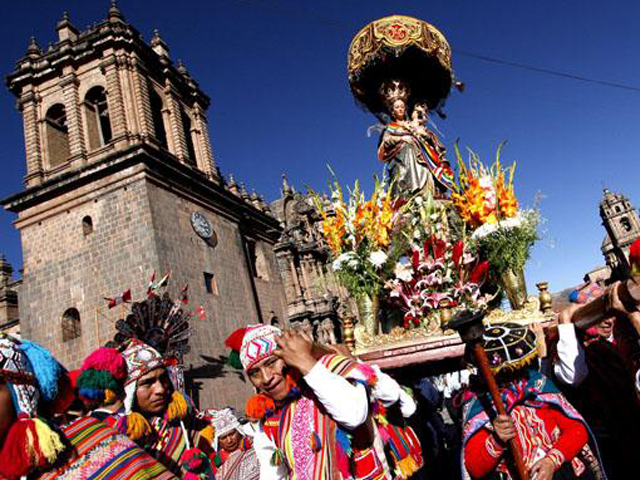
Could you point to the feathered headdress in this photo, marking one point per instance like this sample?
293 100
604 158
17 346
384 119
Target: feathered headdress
160 323
36 380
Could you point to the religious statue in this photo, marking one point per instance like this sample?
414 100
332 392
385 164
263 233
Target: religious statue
415 155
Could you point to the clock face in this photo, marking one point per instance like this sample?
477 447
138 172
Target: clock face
201 225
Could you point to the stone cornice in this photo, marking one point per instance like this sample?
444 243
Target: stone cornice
91 44
160 169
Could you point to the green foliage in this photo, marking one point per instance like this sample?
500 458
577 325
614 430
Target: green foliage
510 247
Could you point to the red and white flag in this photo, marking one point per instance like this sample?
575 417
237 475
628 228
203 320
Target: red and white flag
200 312
150 287
184 295
125 297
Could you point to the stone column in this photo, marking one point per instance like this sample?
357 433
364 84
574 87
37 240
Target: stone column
115 99
28 106
294 274
175 122
206 161
77 147
305 278
141 99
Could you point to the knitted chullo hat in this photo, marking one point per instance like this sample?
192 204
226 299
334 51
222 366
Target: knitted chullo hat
102 377
253 343
142 359
34 378
223 421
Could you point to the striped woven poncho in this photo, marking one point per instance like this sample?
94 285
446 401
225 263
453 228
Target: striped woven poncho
314 446
99 453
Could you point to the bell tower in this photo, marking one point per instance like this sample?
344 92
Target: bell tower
621 222
120 182
98 92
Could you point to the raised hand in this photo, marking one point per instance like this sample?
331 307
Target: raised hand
296 349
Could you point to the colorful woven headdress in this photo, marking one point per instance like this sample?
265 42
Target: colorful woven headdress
223 421
102 377
35 379
253 343
509 346
142 359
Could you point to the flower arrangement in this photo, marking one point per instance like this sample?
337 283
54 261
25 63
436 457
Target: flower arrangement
359 232
484 196
437 275
501 231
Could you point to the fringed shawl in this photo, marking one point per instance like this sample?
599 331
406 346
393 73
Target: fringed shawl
98 452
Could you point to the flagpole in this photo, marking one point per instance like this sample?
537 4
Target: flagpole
97 327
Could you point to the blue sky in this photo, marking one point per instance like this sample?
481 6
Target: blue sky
276 74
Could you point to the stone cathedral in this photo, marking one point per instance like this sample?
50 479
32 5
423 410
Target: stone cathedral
121 181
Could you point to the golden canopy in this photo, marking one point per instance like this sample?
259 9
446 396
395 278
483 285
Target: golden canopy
399 48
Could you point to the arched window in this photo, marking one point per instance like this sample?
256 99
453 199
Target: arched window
57 134
626 224
87 225
186 125
71 327
158 117
97 118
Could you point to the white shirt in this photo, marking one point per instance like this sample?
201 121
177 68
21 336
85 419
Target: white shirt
571 366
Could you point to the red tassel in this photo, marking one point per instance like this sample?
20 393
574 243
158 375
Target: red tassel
234 341
21 447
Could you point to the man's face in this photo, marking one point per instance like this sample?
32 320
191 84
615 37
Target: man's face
153 392
605 327
231 441
268 377
7 412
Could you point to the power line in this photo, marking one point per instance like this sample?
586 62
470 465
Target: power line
547 71
331 22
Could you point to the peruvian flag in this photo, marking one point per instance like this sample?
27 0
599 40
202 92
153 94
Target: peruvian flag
184 294
124 298
150 287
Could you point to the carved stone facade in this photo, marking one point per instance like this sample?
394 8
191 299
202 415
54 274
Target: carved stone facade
9 312
621 222
118 162
315 302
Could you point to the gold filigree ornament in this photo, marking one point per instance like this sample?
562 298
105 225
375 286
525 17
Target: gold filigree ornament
402 48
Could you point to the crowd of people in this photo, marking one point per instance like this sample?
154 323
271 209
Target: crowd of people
571 398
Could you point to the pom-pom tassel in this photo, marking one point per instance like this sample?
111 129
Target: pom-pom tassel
208 433
406 467
316 444
233 360
258 406
194 463
23 446
277 458
178 407
344 452
48 440
134 426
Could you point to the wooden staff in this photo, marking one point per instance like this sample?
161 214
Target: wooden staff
471 329
600 308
